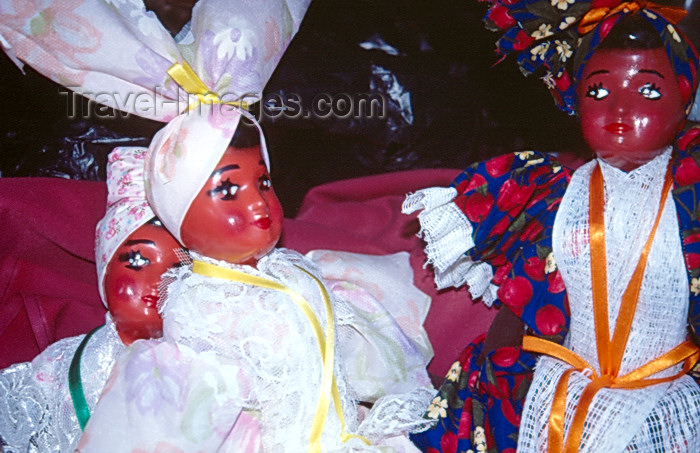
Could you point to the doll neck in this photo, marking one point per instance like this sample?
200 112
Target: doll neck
629 162
252 263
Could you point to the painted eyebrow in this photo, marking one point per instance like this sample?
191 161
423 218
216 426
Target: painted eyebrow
651 71
139 241
600 71
226 168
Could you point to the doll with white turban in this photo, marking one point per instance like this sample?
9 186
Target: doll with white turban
46 402
248 328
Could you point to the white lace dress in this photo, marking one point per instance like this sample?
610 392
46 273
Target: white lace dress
659 418
36 409
236 354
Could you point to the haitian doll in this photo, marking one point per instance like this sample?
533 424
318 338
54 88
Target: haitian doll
47 401
249 329
596 268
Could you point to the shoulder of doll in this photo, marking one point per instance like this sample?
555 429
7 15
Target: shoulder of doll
686 161
523 167
492 207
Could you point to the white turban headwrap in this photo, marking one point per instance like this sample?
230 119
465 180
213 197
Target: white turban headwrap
127 208
183 155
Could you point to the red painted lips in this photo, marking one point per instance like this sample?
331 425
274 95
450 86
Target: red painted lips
263 223
618 128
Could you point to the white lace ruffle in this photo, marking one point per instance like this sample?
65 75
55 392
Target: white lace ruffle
448 235
36 409
394 414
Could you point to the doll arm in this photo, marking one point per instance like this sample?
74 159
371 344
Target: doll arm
506 330
381 339
165 396
491 211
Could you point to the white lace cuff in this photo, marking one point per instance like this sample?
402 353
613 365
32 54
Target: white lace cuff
448 236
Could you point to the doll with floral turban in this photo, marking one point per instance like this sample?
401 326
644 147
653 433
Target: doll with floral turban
594 272
46 402
251 332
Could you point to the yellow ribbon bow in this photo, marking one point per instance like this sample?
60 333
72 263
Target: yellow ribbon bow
184 75
596 15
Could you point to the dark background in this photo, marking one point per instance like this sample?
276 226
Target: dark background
463 106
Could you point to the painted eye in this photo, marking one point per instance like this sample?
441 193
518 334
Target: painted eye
155 221
226 190
650 91
265 183
134 260
597 92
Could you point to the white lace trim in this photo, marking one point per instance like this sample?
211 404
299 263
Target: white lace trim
36 409
448 235
397 415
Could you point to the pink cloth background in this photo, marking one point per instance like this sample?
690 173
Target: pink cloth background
48 282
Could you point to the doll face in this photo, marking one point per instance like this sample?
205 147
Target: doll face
236 217
132 278
630 105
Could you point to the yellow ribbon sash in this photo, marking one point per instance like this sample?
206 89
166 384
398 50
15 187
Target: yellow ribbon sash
326 343
184 75
592 18
610 351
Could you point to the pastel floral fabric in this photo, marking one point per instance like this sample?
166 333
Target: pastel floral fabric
127 208
126 63
118 53
511 202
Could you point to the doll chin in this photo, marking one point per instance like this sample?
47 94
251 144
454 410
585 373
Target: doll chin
128 334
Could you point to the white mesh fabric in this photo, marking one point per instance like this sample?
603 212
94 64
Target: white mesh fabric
616 418
184 259
36 410
448 236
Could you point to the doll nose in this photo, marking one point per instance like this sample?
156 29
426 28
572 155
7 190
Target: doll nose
257 202
621 108
618 104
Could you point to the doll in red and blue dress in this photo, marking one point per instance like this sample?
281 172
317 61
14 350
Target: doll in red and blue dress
594 271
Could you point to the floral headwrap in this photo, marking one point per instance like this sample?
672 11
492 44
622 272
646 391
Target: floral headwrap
120 55
127 208
558 37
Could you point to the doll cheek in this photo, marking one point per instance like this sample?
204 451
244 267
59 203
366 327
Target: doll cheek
124 291
234 222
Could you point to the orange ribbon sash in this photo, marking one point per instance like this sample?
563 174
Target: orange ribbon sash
610 351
